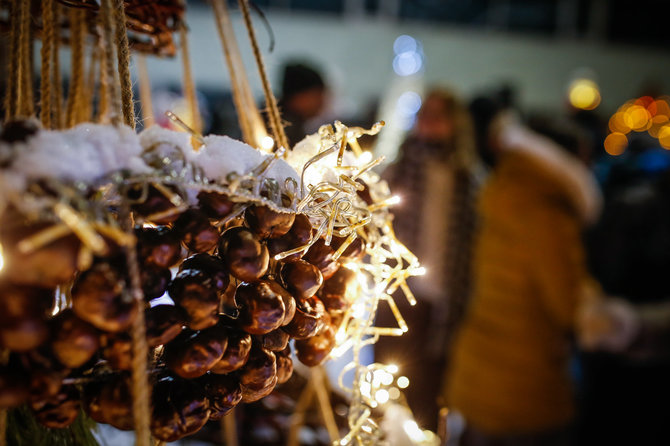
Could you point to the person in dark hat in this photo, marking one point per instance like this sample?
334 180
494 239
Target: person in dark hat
303 98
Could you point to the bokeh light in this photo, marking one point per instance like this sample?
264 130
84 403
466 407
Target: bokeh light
664 136
584 94
403 382
616 143
408 58
637 118
267 143
382 396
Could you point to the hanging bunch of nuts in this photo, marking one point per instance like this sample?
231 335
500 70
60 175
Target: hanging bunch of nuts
222 314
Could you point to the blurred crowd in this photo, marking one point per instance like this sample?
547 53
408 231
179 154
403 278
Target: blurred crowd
544 315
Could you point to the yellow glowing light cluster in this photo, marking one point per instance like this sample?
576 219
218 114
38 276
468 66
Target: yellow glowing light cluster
336 209
584 94
644 114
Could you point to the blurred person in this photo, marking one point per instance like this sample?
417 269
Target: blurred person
626 359
436 175
303 97
509 377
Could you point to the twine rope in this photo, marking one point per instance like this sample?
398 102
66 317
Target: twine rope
140 376
123 54
224 28
76 90
189 85
46 81
12 92
271 101
145 92
25 99
108 78
57 102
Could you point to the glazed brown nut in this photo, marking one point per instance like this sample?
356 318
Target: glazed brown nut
302 279
315 350
246 257
158 246
249 395
23 313
191 355
284 365
299 235
268 223
180 408
196 233
13 387
214 204
259 370
90 400
275 341
302 230
73 341
118 351
308 319
45 373
156 202
261 306
194 291
321 256
223 392
155 281
339 291
48 266
97 299
213 266
236 354
60 411
115 403
164 323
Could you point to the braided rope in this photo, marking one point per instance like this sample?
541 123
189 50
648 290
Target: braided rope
271 102
108 77
76 90
58 120
189 85
25 106
224 27
46 81
123 55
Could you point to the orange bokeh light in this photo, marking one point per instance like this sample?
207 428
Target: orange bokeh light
637 118
616 143
664 136
617 123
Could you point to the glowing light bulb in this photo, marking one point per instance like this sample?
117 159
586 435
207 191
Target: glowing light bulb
365 158
392 368
394 200
387 379
267 143
382 396
420 271
413 431
403 382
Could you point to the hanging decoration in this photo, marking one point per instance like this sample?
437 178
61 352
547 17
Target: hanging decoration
266 255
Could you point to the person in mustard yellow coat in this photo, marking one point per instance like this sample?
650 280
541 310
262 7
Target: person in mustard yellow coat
509 375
